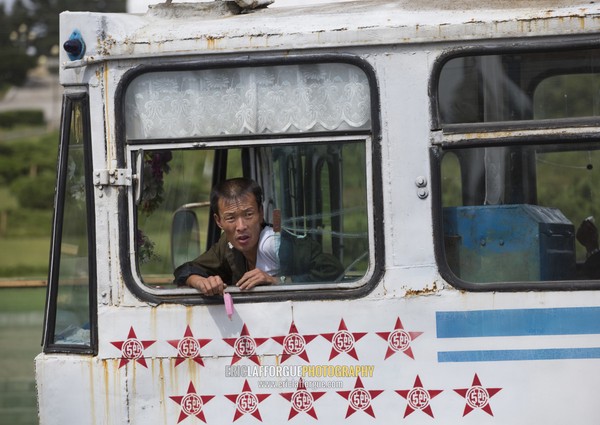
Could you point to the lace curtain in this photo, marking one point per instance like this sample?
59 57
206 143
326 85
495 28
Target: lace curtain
257 100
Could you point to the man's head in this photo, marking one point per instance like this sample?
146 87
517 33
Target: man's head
232 189
237 210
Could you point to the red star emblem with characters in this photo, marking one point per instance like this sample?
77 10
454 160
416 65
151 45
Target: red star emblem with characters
418 398
399 340
191 403
188 347
477 397
132 349
343 341
294 344
302 400
245 346
247 402
360 399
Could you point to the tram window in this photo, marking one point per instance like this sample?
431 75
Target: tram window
317 184
319 189
303 98
518 212
520 86
511 213
72 283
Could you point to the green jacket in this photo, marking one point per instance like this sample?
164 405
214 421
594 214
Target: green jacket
302 260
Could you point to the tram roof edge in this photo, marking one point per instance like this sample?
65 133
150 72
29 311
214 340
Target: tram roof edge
223 27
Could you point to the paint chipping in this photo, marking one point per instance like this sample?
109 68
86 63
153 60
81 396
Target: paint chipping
106 44
425 291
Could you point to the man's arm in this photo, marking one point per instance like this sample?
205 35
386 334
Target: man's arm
207 273
256 277
211 285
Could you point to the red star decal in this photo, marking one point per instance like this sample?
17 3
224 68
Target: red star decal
302 400
245 346
188 347
418 398
343 341
477 397
399 340
247 402
191 403
294 344
132 349
360 399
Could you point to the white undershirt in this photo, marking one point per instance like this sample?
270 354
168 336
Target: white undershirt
267 258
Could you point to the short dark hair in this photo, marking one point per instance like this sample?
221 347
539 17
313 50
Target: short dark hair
232 189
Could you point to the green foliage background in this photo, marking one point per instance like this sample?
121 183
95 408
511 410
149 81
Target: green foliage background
27 180
30 30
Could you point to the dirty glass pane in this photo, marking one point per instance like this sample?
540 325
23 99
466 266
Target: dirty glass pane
520 86
73 310
318 190
526 213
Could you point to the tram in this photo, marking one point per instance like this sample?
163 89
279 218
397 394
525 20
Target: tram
447 154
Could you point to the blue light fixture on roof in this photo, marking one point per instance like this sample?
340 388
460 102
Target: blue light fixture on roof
75 46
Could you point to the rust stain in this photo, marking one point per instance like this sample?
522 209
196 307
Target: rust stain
92 386
193 369
106 391
133 389
425 291
106 44
173 378
211 42
106 365
162 390
153 321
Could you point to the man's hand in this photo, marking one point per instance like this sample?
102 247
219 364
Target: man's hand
254 278
211 285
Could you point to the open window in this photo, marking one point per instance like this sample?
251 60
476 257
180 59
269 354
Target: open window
302 131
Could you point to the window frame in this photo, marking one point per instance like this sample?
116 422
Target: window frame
533 45
446 137
49 344
271 294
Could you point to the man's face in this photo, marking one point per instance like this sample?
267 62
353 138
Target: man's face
241 220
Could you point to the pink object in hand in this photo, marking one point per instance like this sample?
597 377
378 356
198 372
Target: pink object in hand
228 304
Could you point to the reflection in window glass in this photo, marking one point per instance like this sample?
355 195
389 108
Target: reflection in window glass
568 96
318 189
520 86
519 212
73 315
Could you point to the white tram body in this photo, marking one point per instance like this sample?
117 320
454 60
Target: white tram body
444 152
